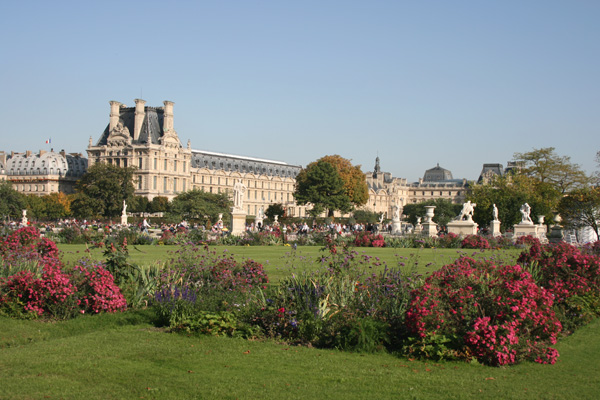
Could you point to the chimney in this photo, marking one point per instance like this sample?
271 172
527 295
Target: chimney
168 117
139 118
28 153
42 152
115 114
62 153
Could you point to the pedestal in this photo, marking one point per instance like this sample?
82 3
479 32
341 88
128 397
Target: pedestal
557 234
525 230
124 219
462 228
396 228
430 229
495 228
238 222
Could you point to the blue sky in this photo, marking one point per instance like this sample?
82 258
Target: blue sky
459 83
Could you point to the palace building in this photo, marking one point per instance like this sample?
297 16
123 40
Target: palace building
42 173
385 191
145 137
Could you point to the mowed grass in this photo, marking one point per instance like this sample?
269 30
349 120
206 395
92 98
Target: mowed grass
123 356
280 261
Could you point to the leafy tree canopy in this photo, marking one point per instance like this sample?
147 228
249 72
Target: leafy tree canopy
445 211
105 186
509 193
547 167
11 202
581 208
275 209
320 184
198 204
160 204
355 183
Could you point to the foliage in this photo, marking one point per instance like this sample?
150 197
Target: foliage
366 239
355 184
321 185
475 242
547 167
139 204
365 216
275 209
48 289
11 201
160 204
580 209
509 193
445 211
102 189
496 314
201 205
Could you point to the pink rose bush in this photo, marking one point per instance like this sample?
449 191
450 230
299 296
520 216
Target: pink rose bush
496 314
44 288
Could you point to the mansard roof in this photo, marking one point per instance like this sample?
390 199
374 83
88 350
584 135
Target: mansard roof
437 174
230 162
45 163
150 132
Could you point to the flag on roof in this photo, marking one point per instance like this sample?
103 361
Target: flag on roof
49 141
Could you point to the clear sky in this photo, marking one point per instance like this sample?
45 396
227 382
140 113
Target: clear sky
459 83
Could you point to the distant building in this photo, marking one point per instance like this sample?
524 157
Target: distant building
42 173
385 191
144 137
489 171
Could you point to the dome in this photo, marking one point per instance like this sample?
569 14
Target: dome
437 174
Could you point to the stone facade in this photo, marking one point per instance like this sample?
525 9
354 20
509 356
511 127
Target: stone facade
386 191
42 173
145 137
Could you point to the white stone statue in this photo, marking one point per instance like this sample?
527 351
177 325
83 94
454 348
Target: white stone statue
276 219
381 218
526 214
124 213
495 212
396 215
239 189
261 213
220 217
24 213
467 211
418 220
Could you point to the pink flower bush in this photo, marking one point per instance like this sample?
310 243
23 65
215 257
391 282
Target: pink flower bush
496 314
49 290
365 239
563 269
475 242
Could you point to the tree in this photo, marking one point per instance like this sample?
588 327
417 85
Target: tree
509 193
11 202
105 186
139 204
547 167
581 208
275 209
320 184
198 204
445 211
366 216
355 183
159 204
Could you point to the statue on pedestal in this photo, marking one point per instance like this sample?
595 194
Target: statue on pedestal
239 189
467 211
495 212
526 214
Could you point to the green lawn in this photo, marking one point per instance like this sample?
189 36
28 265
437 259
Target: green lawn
279 261
123 356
